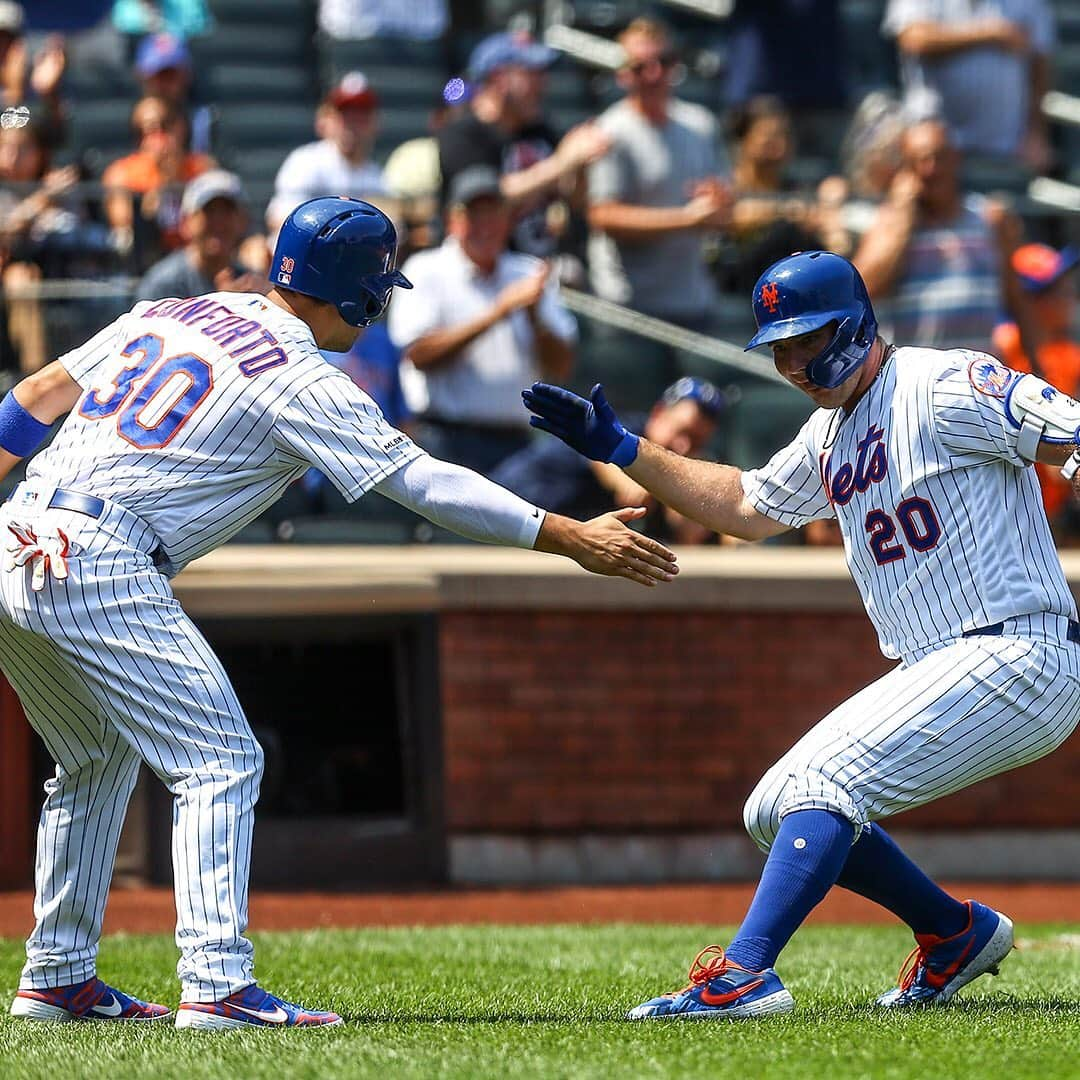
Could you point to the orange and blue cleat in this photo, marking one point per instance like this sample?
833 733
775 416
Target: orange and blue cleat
719 989
937 967
90 1000
250 1007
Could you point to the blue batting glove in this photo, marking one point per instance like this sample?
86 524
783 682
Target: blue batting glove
590 427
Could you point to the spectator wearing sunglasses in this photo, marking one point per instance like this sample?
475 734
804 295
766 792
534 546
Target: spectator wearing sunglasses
659 192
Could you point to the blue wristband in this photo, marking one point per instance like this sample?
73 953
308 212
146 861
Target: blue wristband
626 451
20 433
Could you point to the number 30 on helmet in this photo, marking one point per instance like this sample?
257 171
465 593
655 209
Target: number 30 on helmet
341 251
807 291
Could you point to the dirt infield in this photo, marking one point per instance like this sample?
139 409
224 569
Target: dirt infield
151 910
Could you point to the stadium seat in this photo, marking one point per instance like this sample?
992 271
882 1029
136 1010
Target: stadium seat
341 56
398 123
249 125
104 125
336 530
262 12
1066 68
258 83
996 174
288 44
765 418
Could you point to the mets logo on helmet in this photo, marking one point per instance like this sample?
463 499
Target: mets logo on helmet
770 297
288 265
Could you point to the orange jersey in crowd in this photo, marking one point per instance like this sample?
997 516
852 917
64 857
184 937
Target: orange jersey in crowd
1059 364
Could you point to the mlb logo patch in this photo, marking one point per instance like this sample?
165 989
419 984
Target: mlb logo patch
990 377
285 270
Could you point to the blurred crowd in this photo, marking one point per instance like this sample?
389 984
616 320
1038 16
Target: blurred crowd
668 206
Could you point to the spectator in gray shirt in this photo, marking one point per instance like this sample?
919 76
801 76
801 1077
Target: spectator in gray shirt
213 221
984 67
658 192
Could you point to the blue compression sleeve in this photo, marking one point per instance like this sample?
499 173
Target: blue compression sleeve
20 433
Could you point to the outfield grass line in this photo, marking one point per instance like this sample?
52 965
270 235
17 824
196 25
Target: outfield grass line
525 1002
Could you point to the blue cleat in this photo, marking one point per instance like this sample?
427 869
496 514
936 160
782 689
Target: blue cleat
90 1000
250 1007
937 967
719 990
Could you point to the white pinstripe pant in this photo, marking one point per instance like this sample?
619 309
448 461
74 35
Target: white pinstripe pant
960 713
110 671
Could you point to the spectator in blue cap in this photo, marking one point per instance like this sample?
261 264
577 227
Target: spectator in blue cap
163 65
503 127
684 420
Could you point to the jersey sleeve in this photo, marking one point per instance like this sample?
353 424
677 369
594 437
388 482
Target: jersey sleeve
332 424
789 488
81 363
970 406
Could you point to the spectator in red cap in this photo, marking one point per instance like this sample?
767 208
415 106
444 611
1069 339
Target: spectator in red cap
1045 274
163 65
339 163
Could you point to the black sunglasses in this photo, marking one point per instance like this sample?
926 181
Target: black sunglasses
665 60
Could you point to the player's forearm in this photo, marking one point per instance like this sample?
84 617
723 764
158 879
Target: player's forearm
524 184
940 39
48 393
704 491
28 411
624 221
464 502
441 347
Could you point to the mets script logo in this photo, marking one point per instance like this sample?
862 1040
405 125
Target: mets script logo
285 270
770 297
989 377
871 466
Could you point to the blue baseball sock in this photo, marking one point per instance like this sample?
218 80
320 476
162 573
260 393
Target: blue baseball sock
877 869
806 856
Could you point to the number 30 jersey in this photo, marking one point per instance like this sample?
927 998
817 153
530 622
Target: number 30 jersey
943 522
198 412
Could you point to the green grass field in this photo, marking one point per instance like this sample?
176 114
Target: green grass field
547 1002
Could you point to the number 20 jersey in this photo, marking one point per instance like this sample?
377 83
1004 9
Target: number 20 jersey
198 412
943 522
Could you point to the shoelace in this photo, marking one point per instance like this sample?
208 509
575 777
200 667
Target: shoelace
909 969
709 964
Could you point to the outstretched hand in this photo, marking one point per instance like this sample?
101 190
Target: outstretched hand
604 545
589 426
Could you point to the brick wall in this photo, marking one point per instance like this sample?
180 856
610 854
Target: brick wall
636 721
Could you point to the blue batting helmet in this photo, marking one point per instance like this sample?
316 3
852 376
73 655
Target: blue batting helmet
342 251
807 291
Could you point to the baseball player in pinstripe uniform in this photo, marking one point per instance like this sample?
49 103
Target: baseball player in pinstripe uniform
922 457
188 417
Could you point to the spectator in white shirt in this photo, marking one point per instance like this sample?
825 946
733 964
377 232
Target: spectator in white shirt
479 324
339 163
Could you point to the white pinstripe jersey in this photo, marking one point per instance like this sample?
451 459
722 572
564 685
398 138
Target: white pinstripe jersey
943 525
199 412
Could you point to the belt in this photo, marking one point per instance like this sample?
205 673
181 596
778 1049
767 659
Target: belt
90 505
1073 633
